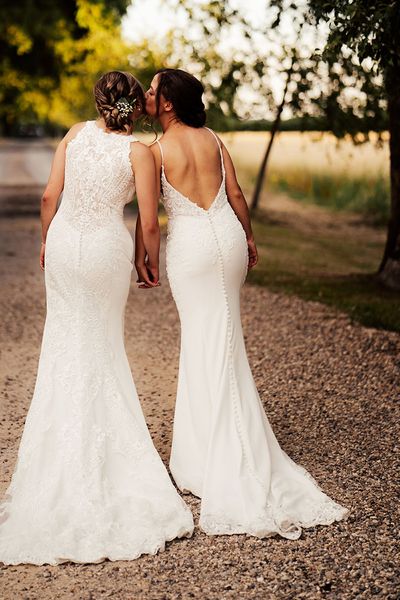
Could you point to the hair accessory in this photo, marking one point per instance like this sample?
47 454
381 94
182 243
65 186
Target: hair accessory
125 107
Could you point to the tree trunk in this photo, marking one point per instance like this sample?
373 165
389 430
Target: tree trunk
5 127
389 270
275 127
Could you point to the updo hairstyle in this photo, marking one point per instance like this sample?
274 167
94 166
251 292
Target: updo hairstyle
184 92
117 94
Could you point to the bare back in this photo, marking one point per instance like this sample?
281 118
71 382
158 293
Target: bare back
192 163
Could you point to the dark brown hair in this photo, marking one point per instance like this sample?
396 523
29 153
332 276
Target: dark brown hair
110 88
184 92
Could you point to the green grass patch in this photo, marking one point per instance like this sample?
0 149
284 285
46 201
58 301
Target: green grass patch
369 197
337 272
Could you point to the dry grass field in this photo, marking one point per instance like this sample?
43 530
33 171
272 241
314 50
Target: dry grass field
310 151
317 168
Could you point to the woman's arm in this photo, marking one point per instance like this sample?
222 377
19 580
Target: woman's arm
51 194
54 187
144 278
147 240
239 204
140 250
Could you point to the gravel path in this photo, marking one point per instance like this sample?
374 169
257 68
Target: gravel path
329 388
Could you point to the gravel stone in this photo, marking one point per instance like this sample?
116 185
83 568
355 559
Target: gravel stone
331 391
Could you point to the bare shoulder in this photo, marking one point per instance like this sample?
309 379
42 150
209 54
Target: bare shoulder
215 134
74 130
141 158
222 145
140 151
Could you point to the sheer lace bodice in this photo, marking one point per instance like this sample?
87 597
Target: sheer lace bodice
98 177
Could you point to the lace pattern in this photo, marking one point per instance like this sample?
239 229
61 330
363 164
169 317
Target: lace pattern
88 483
97 195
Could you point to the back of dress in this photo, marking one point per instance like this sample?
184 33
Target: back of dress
88 244
98 177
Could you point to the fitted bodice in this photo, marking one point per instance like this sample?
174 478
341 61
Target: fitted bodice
98 177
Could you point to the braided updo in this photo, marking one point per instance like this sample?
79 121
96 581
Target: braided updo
109 90
184 92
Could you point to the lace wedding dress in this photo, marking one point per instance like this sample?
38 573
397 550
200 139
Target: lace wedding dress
88 483
224 450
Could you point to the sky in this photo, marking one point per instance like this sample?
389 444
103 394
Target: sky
154 18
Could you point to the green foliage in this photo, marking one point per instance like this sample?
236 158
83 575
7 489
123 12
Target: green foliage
335 89
222 76
371 29
369 198
336 86
51 55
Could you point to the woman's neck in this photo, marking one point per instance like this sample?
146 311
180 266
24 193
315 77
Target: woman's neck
168 121
102 125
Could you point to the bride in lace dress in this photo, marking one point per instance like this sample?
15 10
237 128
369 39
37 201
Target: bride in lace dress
224 450
88 483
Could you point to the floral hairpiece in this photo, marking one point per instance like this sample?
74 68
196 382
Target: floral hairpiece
124 106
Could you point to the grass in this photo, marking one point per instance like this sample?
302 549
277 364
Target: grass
318 169
320 268
369 197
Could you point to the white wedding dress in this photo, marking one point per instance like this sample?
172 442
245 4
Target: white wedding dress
224 450
88 483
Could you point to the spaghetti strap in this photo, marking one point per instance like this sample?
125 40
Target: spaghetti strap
220 149
162 153
215 135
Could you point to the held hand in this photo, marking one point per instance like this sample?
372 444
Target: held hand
146 277
154 274
42 252
253 254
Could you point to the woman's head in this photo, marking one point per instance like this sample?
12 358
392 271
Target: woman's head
119 100
177 92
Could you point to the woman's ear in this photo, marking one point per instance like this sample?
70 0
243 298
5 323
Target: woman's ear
168 106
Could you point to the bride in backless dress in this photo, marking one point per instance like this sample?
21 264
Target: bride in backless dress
88 483
224 450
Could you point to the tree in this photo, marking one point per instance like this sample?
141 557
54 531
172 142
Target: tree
335 92
51 53
372 32
274 130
